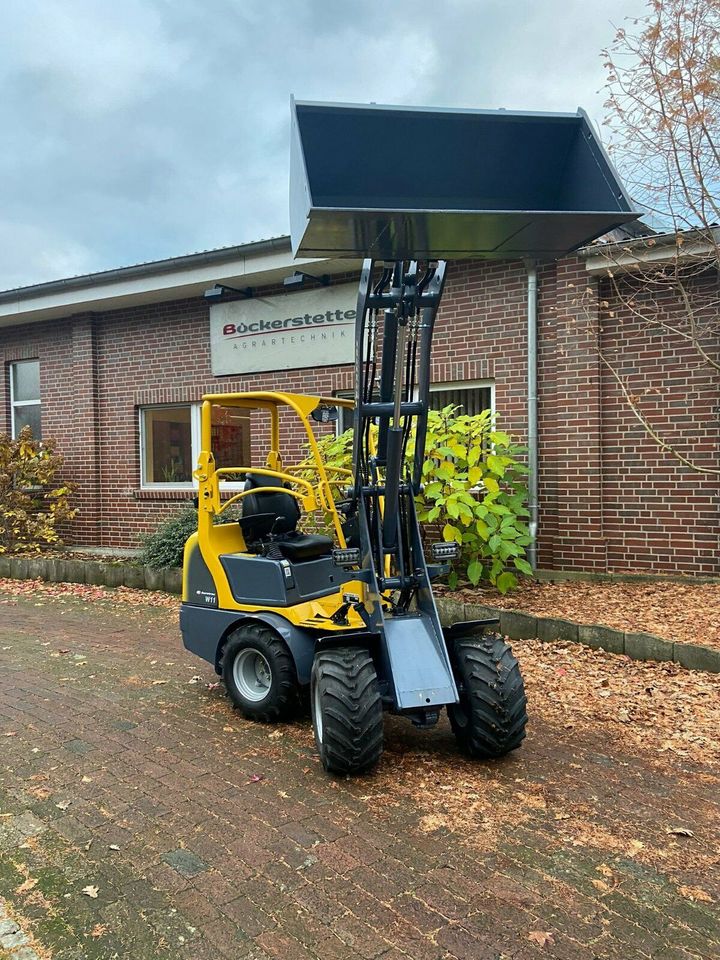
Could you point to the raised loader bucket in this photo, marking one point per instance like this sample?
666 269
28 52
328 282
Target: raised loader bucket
398 182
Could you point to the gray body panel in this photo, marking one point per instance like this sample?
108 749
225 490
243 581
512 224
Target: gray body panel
403 182
418 661
204 630
279 583
413 659
201 586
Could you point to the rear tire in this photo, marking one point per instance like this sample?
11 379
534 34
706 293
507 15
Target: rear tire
346 709
489 721
259 674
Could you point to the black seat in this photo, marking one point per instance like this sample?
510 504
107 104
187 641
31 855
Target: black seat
272 519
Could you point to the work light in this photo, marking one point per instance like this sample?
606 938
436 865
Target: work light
445 551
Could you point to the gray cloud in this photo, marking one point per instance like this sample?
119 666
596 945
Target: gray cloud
153 128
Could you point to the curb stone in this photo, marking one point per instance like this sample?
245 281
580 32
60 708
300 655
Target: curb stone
95 572
516 624
696 657
553 628
599 637
519 625
645 646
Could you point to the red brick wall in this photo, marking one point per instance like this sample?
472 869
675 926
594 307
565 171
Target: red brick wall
609 500
658 514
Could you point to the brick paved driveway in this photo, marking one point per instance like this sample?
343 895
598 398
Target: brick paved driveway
207 836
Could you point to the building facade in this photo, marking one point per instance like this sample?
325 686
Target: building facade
113 367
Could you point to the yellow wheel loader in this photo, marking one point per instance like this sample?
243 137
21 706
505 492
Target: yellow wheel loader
350 619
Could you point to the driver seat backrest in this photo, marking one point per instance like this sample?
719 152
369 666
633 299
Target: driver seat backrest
266 513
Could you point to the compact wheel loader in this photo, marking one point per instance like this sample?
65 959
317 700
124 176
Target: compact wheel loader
348 621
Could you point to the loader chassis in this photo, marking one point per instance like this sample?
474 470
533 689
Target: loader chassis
355 617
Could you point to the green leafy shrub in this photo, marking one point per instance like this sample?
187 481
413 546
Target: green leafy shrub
475 492
32 506
164 547
475 488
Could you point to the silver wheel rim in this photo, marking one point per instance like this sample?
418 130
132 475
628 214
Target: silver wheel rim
317 711
252 675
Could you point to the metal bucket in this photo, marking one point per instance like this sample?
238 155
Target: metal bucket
398 182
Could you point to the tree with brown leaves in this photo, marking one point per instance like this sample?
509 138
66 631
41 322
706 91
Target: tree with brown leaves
663 109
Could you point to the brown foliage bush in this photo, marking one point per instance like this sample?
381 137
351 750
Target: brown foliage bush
31 506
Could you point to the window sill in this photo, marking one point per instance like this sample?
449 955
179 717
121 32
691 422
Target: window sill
164 494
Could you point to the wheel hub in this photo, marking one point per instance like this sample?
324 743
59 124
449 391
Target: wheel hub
252 674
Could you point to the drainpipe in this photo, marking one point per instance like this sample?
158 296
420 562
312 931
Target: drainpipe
533 506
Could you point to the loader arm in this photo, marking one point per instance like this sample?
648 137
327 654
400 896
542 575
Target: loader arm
396 312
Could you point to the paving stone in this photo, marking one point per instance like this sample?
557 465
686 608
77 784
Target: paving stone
124 724
10 940
644 646
185 862
600 637
24 953
78 746
212 866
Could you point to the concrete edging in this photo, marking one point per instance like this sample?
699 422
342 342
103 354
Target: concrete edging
94 572
638 646
515 624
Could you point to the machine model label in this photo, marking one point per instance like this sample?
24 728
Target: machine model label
310 328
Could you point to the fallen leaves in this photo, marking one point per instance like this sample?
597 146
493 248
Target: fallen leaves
87 593
99 930
27 885
680 832
63 805
696 894
90 891
256 778
659 608
541 937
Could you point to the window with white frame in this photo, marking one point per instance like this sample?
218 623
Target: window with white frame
25 397
170 442
473 396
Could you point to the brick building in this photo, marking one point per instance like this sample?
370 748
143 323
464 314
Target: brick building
112 365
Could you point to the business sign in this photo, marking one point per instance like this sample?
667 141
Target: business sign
310 328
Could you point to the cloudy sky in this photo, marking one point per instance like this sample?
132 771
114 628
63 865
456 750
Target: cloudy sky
144 129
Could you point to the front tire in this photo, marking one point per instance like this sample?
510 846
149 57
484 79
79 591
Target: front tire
490 719
346 709
259 674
